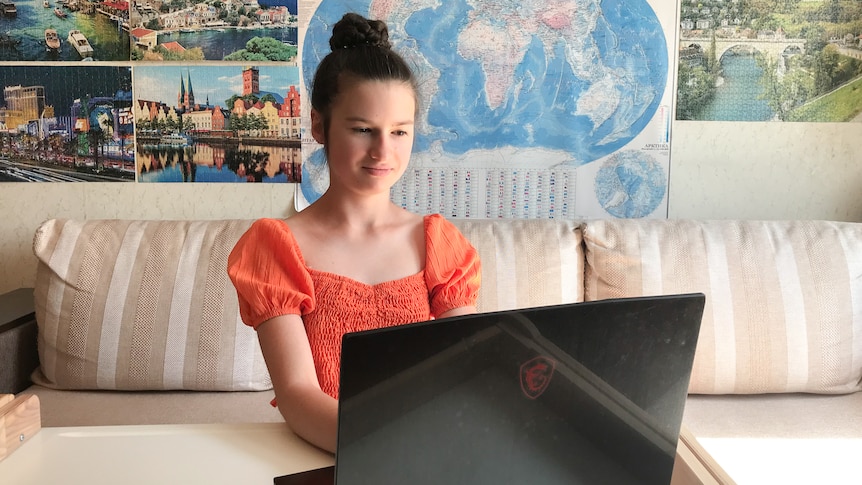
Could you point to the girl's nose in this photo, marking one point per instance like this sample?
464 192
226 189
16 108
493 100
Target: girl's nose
379 147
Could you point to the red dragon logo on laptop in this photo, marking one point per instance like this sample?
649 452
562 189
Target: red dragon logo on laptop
536 374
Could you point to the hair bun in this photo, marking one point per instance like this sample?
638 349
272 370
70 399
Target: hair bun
354 30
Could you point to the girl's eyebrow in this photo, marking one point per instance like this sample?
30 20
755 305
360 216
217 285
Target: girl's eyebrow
359 119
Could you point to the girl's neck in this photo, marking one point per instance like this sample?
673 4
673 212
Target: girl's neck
355 212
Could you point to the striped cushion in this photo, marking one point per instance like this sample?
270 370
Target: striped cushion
526 263
142 305
783 299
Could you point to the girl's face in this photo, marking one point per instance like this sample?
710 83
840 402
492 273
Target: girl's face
370 135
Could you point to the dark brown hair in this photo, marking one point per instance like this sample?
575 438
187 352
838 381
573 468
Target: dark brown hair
361 52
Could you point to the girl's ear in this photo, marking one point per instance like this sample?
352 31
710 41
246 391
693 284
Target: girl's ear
317 130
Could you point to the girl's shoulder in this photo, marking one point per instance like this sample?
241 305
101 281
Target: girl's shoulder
269 230
437 224
442 237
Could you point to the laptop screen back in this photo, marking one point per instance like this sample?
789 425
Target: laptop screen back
582 393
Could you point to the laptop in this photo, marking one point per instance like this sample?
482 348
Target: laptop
589 393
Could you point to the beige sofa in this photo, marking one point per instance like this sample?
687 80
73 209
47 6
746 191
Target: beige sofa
138 322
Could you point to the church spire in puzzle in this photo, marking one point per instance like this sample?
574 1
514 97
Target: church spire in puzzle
191 93
181 96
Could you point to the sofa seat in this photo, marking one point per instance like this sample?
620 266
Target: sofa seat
787 438
779 416
109 408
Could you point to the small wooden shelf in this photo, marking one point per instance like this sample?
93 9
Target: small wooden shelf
20 420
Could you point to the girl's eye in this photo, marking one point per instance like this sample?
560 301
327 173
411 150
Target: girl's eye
401 133
362 130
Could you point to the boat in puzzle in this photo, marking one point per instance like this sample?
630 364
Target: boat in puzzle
52 40
8 8
80 43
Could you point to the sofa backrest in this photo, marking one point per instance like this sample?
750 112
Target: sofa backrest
134 305
527 263
147 305
783 298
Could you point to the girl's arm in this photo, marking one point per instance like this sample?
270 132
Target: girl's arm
310 413
464 310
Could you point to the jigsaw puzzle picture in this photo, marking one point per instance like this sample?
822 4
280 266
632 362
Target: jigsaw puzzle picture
66 124
226 123
64 30
183 30
770 61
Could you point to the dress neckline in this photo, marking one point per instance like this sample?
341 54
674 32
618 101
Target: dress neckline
347 279
353 282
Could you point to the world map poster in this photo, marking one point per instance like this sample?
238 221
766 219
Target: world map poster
529 109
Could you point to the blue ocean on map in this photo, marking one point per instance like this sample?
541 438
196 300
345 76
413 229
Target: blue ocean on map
588 77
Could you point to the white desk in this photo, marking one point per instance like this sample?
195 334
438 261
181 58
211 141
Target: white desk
788 461
208 454
166 454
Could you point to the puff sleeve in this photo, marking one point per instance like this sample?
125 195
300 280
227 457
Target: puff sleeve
269 273
452 266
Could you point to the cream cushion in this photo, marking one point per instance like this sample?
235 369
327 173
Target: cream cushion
142 305
526 263
783 299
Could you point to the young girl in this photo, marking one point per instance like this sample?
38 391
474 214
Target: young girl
352 260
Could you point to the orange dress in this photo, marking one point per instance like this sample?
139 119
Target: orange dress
271 279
